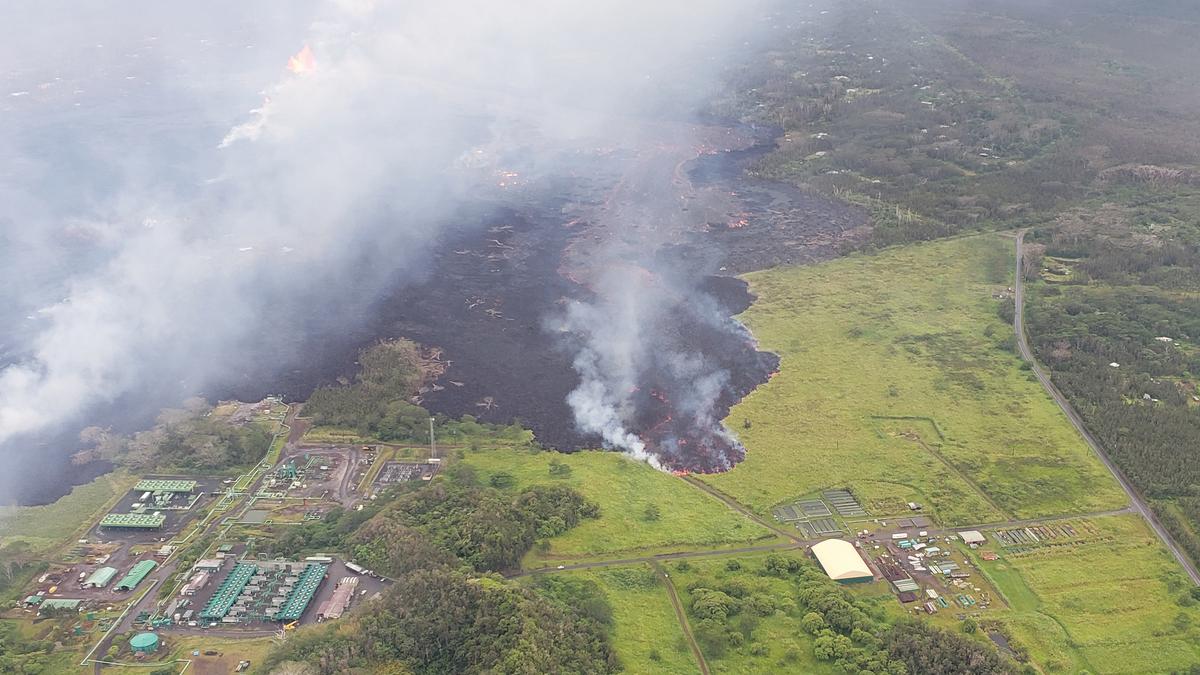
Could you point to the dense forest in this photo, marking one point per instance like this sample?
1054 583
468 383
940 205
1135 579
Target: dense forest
447 611
377 404
1117 320
942 118
19 655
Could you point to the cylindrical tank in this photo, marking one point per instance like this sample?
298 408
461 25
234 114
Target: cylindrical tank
144 643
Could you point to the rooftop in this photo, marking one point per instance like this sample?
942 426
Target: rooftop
164 485
840 560
133 520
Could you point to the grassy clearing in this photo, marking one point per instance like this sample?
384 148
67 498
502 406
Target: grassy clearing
881 353
646 634
688 518
1116 604
178 650
772 644
43 527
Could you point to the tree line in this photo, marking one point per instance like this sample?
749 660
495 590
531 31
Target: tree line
1119 328
447 611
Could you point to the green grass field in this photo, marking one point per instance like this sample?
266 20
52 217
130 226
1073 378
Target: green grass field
882 356
688 518
646 634
1116 604
43 527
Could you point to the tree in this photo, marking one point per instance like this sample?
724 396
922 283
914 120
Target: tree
813 623
651 513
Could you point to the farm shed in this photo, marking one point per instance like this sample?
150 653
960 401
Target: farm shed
841 561
972 537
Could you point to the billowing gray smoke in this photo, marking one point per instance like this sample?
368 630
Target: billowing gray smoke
189 220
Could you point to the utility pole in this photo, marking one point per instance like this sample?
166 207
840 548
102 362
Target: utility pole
432 445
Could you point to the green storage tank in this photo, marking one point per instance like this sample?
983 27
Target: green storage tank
144 643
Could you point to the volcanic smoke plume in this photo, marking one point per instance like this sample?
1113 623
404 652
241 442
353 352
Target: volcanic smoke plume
659 358
154 280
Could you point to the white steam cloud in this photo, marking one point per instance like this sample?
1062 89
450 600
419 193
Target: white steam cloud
158 266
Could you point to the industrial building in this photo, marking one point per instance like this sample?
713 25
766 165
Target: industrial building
160 485
336 605
133 521
100 578
135 575
264 592
198 581
219 604
841 561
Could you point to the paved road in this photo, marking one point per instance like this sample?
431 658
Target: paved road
1135 499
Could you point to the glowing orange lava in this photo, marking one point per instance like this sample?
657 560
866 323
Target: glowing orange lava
303 62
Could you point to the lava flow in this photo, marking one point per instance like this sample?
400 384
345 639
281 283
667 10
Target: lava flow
303 63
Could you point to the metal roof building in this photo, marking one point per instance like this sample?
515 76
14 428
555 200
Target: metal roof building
101 577
135 575
841 561
972 537
164 485
139 521
58 603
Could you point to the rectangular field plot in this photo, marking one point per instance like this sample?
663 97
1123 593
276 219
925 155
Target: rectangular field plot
825 526
785 514
814 508
844 503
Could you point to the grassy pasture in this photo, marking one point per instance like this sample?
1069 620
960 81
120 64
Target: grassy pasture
896 380
688 518
647 636
47 526
1116 604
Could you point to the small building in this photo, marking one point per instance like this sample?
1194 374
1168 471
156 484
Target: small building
972 537
841 561
100 578
144 643
209 564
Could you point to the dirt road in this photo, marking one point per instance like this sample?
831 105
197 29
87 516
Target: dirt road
682 617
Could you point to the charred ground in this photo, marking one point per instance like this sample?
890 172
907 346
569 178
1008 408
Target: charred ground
494 282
